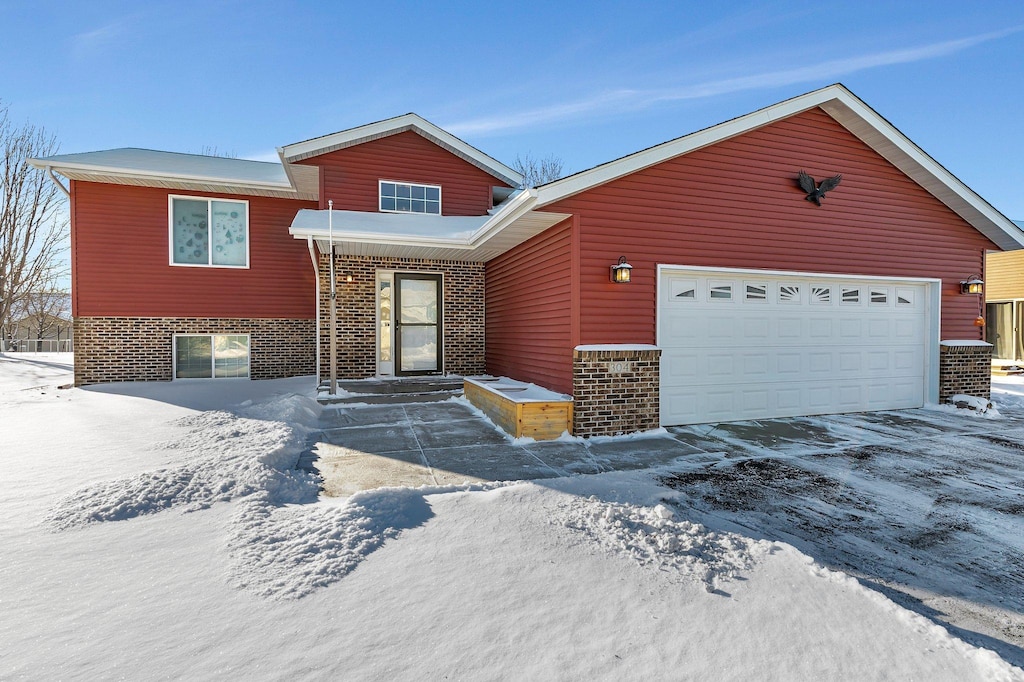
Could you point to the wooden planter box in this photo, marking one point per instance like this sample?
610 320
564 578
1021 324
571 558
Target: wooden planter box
521 409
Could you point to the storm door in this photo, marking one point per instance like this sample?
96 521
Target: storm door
418 332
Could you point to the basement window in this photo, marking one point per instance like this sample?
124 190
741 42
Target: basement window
402 197
209 232
211 356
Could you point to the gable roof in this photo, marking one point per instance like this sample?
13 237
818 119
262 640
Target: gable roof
152 168
392 126
850 112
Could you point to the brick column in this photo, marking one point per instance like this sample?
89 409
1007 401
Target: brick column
615 389
965 367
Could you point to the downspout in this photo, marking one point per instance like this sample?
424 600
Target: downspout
316 274
49 171
334 303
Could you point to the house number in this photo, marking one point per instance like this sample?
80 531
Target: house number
620 367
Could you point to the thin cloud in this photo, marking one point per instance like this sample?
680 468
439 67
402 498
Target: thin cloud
631 99
98 39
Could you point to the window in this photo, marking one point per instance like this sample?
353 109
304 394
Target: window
879 295
210 232
720 291
406 198
850 295
757 292
684 288
789 293
821 295
205 356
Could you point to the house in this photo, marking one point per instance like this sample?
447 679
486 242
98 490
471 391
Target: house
1004 307
751 295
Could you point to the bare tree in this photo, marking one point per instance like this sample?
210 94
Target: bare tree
538 171
208 150
33 228
43 311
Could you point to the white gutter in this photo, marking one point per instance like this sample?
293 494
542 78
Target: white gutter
49 171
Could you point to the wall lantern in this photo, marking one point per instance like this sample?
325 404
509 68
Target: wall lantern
971 285
620 271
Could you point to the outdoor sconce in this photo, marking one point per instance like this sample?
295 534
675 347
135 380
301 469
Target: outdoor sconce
620 271
971 285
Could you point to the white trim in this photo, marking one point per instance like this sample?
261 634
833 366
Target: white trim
799 273
932 310
209 212
850 112
392 126
213 356
410 185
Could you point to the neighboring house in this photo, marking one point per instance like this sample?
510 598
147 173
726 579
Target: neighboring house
746 300
1004 298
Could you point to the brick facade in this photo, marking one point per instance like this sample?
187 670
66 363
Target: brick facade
615 391
141 348
965 369
462 305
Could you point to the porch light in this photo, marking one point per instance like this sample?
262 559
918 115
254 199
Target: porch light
971 285
620 271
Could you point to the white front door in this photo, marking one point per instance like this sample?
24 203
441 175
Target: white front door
746 345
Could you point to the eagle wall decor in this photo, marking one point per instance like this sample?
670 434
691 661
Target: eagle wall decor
816 193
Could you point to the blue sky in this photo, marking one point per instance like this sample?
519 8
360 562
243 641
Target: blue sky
587 82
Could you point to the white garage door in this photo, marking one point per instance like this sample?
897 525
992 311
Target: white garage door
744 345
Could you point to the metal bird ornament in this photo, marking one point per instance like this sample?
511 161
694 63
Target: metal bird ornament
816 193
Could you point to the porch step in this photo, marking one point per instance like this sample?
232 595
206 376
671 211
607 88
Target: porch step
391 391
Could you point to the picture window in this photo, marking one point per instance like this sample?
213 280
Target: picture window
209 232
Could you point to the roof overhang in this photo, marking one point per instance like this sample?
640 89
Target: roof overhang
300 151
850 112
306 181
486 237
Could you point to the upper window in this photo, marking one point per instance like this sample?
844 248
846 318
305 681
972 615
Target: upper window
212 232
406 198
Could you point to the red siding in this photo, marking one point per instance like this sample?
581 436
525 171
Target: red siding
529 291
121 265
735 204
350 176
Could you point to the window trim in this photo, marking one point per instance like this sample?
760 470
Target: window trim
213 356
380 197
209 208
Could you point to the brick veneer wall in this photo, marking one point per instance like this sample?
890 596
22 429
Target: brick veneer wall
964 369
463 311
141 348
607 402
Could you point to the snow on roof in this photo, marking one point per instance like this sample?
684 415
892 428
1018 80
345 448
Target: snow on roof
133 161
618 346
398 224
952 343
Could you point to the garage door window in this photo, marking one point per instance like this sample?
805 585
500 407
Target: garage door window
880 296
720 291
821 295
757 292
789 293
850 295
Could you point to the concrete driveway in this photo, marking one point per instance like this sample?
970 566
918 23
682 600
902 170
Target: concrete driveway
414 444
926 506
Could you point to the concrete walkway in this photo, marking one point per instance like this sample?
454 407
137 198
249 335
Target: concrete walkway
415 444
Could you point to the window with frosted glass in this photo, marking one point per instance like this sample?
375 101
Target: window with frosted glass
407 198
205 356
209 232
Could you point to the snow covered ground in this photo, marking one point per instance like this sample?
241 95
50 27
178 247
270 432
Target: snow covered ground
144 538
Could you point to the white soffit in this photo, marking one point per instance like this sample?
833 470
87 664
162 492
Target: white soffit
392 126
850 112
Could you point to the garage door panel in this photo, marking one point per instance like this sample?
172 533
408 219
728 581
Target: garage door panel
786 345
